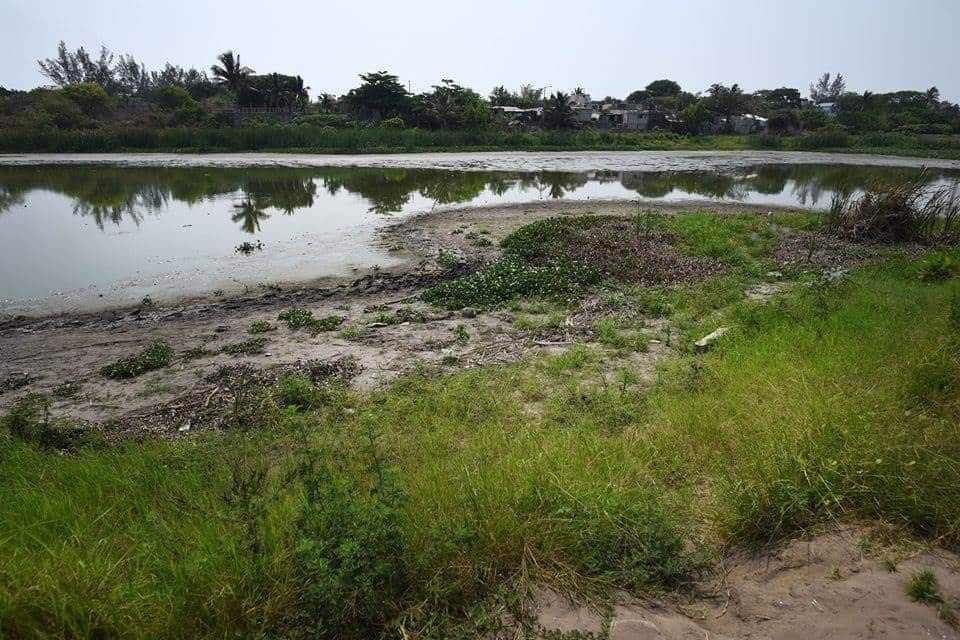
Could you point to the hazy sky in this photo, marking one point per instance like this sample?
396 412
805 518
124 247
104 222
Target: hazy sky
610 48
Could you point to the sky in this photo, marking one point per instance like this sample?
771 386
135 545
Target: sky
609 48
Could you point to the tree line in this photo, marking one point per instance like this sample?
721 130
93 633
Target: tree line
91 91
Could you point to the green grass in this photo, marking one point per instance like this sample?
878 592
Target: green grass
923 586
345 515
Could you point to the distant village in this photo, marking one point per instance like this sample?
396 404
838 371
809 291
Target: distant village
624 115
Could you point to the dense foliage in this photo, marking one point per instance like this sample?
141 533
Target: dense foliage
119 94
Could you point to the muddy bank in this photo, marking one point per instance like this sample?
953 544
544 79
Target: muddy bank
381 330
573 161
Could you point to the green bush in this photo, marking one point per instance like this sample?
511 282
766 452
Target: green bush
924 587
173 97
297 318
156 356
350 555
30 421
395 122
510 278
262 326
91 98
938 267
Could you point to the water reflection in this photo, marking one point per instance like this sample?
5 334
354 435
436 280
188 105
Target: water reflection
111 195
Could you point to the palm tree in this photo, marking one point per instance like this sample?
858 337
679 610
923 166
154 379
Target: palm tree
230 72
327 102
558 114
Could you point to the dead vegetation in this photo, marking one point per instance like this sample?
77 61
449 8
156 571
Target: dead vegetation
906 211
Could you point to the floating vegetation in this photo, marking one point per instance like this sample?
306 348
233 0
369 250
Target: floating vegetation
246 247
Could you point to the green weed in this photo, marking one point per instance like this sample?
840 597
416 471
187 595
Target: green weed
297 318
923 587
262 326
156 356
250 347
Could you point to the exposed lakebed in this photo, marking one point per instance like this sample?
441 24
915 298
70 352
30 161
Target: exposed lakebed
79 232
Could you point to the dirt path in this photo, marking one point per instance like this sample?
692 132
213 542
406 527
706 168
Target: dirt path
828 587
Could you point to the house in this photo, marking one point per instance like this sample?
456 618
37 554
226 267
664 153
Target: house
827 107
517 116
581 101
585 115
620 119
748 123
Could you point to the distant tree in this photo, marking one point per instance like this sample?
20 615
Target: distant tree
54 109
327 102
641 95
78 66
779 99
451 106
501 97
827 90
131 77
379 96
812 118
558 114
783 121
172 97
90 97
529 96
696 117
230 73
663 88
726 101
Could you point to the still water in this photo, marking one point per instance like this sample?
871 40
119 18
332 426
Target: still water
87 236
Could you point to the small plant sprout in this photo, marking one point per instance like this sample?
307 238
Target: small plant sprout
460 334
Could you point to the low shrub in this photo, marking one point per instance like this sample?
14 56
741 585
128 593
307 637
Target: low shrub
156 356
350 555
297 318
898 212
938 267
250 347
29 420
262 326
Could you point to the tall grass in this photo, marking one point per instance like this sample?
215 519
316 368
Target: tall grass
906 211
351 515
309 138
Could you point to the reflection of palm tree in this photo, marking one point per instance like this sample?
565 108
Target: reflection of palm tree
9 198
249 213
